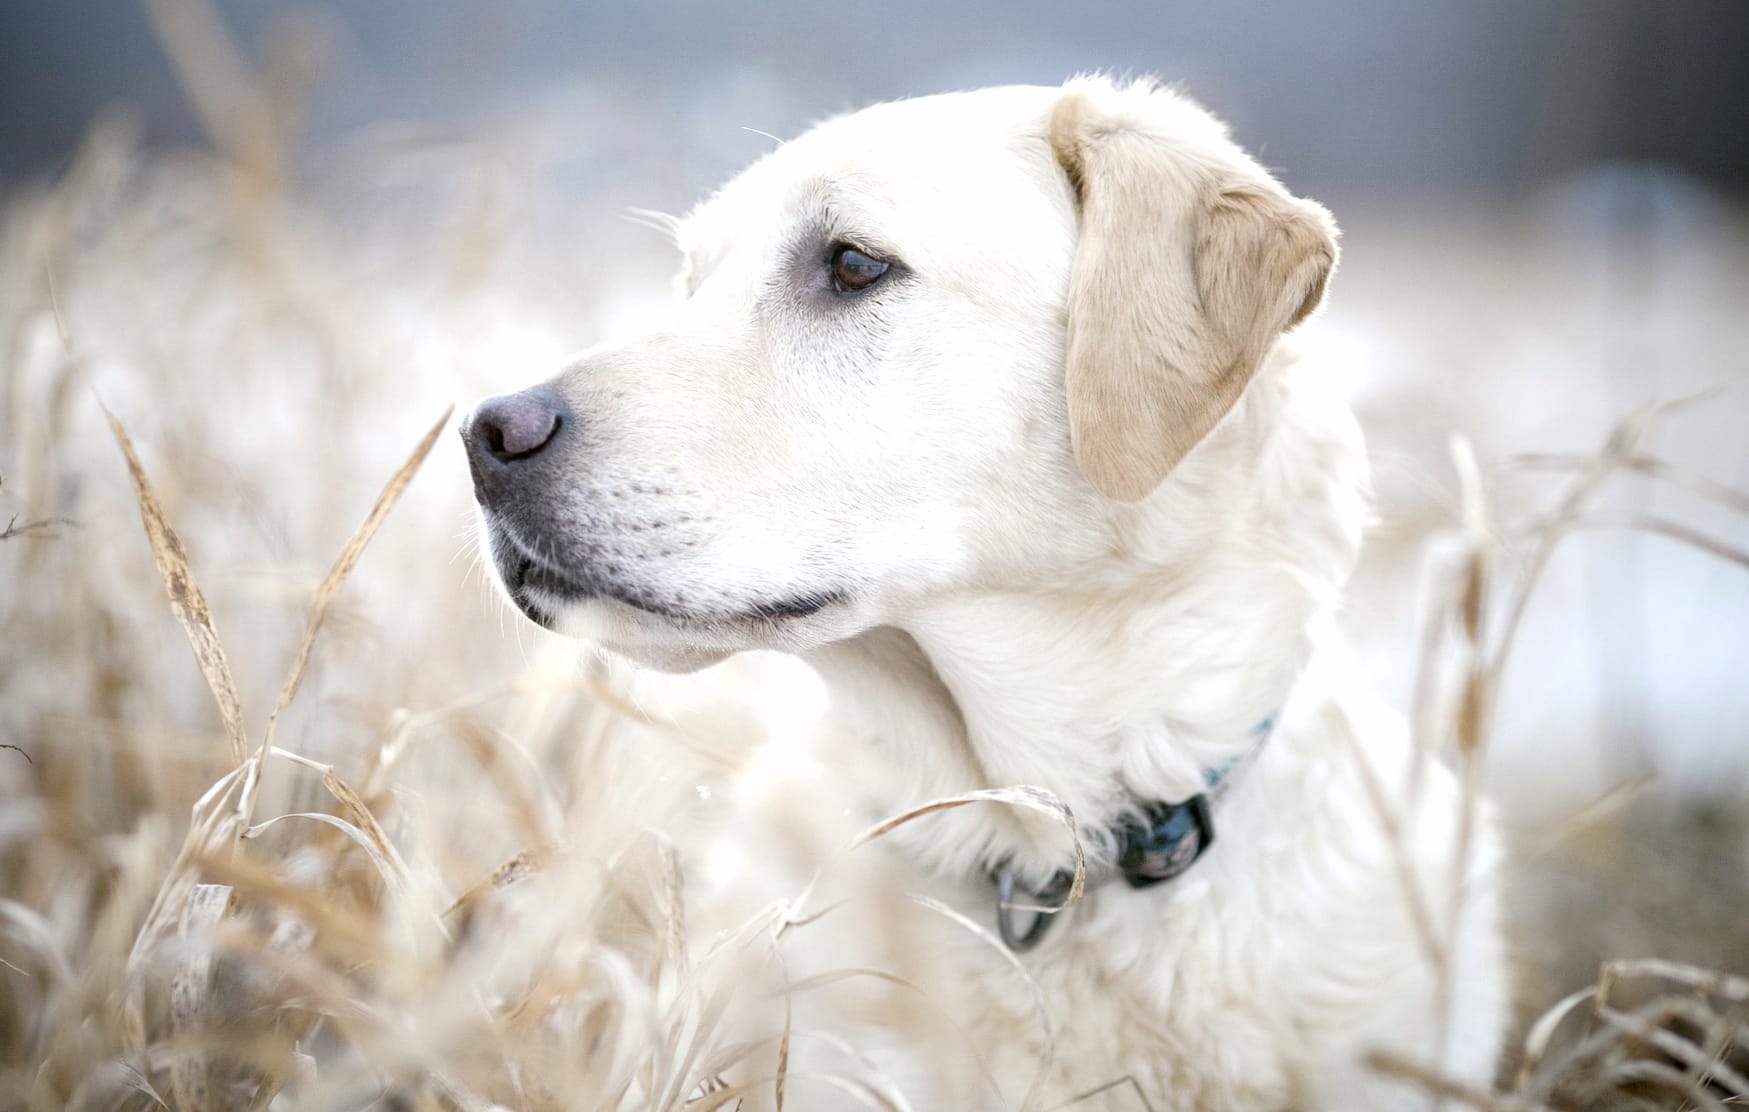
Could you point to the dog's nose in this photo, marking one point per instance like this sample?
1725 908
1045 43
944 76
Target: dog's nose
514 427
507 430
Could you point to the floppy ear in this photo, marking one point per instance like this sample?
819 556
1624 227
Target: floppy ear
1191 262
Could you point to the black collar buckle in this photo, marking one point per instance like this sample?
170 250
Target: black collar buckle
1156 843
1167 840
1161 844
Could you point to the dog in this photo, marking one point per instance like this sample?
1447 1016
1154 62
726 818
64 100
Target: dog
981 404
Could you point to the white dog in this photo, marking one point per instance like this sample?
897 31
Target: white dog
978 403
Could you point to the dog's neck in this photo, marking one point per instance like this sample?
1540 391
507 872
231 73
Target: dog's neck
1130 689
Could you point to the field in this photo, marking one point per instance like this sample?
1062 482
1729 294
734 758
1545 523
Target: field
377 842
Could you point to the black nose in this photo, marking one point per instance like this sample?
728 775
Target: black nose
514 427
507 430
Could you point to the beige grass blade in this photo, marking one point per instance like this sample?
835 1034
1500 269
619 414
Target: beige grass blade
355 547
1542 1032
389 860
1020 795
212 824
1712 490
1731 985
1683 1050
521 866
330 587
343 933
833 976
364 829
1464 1096
26 928
191 1071
865 1094
1047 1030
1675 530
781 1078
186 601
385 865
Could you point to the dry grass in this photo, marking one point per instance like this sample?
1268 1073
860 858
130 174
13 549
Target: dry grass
422 857
1683 1037
403 864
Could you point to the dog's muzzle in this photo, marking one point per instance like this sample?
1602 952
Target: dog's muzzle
517 446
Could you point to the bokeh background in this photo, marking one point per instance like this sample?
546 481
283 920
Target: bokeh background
281 237
1543 207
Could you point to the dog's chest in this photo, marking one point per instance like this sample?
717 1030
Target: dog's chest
1139 1006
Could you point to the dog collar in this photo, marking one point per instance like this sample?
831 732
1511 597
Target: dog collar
1154 846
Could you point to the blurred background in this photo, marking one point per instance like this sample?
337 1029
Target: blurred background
281 237
1362 101
1543 205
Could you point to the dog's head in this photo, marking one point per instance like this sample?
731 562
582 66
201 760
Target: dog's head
928 346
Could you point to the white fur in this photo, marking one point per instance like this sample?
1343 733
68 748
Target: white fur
1006 623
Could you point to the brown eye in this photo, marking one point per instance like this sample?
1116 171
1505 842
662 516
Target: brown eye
853 271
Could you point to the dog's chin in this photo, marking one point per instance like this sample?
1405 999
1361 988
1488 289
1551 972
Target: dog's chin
685 643
667 637
671 657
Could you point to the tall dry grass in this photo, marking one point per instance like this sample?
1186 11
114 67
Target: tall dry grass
292 819
293 815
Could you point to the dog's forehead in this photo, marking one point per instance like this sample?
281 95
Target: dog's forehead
933 123
903 161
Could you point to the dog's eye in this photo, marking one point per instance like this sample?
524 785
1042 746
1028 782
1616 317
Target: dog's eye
853 271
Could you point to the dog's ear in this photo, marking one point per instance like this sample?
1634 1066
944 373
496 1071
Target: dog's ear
1191 261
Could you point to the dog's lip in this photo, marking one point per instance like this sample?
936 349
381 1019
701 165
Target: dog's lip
792 608
535 586
798 606
516 584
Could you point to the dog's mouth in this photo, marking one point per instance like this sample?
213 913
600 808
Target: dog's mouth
541 591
